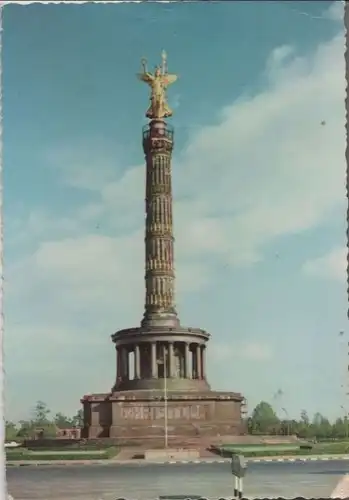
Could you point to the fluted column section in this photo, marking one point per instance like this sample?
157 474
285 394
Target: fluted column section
159 271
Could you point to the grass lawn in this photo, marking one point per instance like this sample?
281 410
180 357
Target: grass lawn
25 454
339 447
262 447
335 447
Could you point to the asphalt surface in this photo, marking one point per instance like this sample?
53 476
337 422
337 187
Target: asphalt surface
143 482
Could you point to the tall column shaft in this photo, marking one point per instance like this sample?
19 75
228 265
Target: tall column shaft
159 271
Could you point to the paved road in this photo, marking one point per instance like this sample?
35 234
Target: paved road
143 482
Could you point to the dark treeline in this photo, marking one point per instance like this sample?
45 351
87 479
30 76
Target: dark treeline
41 419
264 420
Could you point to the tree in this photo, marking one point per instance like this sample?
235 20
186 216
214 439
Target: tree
303 426
78 419
317 419
251 428
11 431
62 422
41 414
26 429
41 424
340 428
264 418
304 418
324 428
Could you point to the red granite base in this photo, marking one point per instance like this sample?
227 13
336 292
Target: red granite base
133 416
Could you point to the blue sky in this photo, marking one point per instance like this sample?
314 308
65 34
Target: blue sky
259 189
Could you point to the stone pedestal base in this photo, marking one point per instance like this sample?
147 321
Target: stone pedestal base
131 416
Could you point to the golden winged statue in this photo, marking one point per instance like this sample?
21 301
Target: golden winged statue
158 82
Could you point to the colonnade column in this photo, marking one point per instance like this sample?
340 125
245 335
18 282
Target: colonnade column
195 370
137 362
187 373
165 360
203 362
125 363
154 366
170 359
198 361
118 364
194 367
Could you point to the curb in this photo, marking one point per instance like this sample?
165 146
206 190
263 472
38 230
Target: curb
174 462
300 459
254 460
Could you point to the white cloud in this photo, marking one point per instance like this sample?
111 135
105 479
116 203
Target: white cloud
268 169
277 59
37 224
82 166
331 266
336 11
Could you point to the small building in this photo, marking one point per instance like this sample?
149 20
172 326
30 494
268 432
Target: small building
69 433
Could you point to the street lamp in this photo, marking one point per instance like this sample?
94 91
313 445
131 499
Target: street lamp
165 394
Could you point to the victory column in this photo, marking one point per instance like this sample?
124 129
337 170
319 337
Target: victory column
169 360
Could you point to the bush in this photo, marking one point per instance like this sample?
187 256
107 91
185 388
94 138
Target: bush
332 448
306 446
14 455
340 448
58 456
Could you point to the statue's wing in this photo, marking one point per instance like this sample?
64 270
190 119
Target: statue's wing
168 79
145 77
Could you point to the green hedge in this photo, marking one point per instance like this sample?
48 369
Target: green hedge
74 447
339 447
321 449
66 450
285 448
14 455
